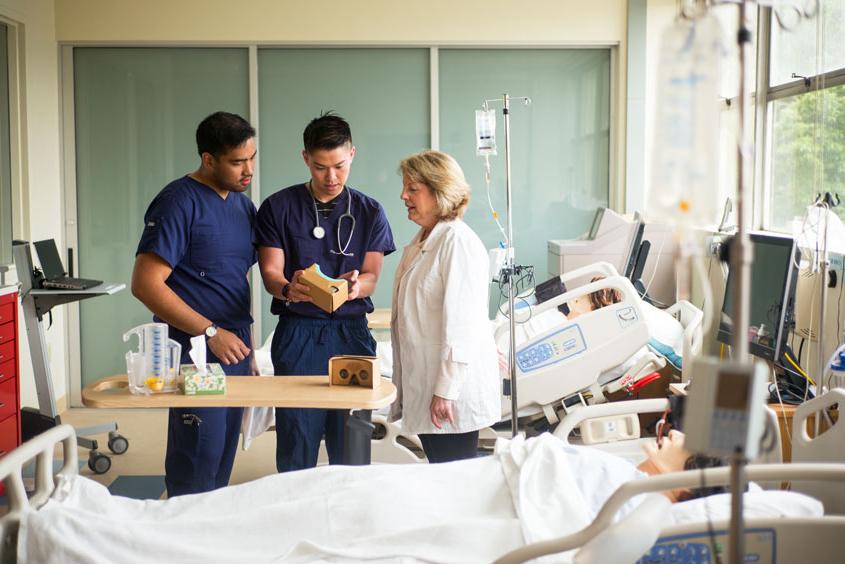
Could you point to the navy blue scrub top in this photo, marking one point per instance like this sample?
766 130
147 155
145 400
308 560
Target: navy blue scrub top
209 244
286 221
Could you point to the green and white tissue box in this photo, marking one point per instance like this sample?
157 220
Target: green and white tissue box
212 382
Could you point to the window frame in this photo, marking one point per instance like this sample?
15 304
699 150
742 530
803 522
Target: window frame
765 115
17 137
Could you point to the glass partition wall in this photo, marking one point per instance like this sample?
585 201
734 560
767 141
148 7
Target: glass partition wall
136 109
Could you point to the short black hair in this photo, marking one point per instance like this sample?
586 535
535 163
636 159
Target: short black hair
329 131
222 131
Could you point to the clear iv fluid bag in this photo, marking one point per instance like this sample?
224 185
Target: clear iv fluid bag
485 132
684 165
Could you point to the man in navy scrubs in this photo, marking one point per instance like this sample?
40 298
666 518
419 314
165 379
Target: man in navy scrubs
191 271
321 221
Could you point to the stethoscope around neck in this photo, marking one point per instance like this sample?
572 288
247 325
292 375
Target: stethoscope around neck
318 232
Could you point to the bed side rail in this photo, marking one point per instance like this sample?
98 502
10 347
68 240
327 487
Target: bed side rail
672 481
575 418
691 318
41 449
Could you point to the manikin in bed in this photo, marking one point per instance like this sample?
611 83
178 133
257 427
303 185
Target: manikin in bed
609 340
468 511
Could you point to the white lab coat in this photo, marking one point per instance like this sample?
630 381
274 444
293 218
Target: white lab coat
442 339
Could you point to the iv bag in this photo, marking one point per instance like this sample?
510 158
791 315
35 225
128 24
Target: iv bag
485 132
685 147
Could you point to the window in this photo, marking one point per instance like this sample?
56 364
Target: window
560 144
806 114
385 97
136 110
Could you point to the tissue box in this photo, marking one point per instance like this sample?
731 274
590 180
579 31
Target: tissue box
328 293
212 382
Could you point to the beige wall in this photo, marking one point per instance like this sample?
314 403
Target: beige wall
40 203
365 21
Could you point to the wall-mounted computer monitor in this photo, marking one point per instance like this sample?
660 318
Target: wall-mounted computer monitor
774 274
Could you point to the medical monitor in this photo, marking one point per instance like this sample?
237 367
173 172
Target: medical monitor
774 274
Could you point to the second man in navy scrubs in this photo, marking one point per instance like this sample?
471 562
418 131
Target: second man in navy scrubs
191 272
321 221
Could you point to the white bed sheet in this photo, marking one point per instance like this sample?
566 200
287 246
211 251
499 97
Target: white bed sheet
468 511
459 512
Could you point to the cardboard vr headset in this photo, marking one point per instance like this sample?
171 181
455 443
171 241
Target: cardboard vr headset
328 293
348 370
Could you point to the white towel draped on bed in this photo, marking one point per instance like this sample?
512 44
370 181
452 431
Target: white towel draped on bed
468 511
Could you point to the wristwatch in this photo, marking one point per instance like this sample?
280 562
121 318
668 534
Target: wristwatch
211 330
285 292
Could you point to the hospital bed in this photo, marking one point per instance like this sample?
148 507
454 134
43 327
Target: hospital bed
601 352
644 534
564 364
519 499
816 471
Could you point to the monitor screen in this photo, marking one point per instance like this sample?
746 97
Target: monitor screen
48 256
774 274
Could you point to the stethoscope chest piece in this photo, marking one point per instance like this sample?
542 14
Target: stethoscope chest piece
318 232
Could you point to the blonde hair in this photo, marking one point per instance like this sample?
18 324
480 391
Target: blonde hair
443 175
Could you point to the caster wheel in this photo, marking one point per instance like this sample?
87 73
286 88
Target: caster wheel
118 444
98 462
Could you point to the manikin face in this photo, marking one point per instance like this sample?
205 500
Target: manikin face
232 171
329 170
421 203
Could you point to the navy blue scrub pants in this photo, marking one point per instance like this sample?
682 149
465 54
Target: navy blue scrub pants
302 346
202 441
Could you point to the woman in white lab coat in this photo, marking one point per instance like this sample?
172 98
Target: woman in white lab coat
445 367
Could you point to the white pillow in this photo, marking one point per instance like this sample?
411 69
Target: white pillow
759 504
666 333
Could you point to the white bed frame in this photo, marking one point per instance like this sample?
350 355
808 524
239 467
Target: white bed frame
547 389
658 405
601 541
41 449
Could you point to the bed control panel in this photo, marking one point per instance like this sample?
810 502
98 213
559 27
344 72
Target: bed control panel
555 348
707 548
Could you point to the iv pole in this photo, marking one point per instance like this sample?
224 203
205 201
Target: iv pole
509 269
740 259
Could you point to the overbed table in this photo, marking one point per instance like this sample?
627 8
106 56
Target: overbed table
265 391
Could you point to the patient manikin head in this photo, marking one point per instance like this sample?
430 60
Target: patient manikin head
594 300
669 455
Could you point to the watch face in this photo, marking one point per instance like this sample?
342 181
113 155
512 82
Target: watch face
210 331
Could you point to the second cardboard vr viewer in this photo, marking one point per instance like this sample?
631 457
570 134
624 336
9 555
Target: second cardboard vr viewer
328 293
